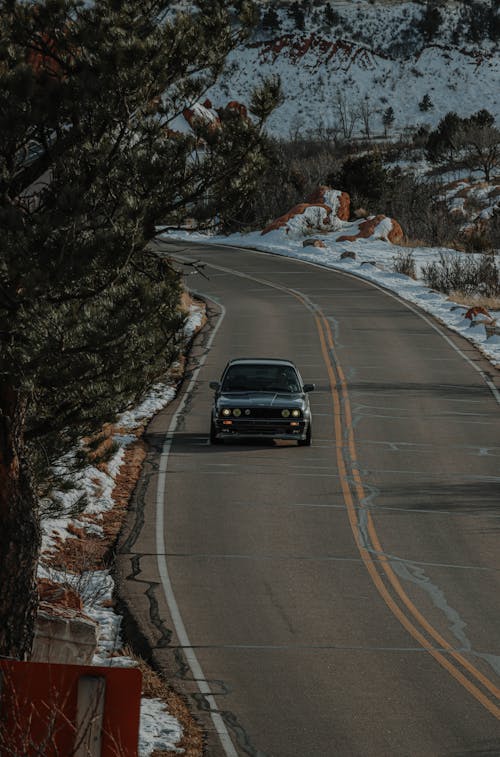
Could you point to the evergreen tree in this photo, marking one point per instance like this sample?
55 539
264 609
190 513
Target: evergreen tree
364 177
89 166
296 12
494 21
425 103
270 20
332 18
483 118
430 21
442 143
388 119
477 19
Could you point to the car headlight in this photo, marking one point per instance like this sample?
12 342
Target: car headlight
226 411
236 412
296 413
285 413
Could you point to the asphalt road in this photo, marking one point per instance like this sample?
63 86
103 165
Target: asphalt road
342 599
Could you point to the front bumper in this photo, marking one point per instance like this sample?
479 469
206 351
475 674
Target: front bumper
273 428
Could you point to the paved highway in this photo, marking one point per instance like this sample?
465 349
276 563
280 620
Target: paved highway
341 599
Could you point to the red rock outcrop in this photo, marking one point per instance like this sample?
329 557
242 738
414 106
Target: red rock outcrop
472 313
367 228
344 201
238 107
313 243
317 199
295 211
52 593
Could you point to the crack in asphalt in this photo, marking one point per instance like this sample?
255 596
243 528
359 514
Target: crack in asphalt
137 509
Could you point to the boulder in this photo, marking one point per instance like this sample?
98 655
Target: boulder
313 243
58 594
348 254
239 108
63 632
339 201
323 210
311 220
478 313
377 227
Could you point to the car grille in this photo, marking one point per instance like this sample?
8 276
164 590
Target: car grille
268 427
263 412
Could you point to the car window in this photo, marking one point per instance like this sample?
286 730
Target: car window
261 378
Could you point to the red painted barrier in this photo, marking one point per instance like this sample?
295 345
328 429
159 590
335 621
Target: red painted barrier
41 713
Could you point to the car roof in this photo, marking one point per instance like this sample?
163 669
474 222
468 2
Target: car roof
260 361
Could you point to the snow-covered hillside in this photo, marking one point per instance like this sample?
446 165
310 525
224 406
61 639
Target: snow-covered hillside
374 56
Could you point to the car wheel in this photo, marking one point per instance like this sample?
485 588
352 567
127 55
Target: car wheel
213 434
307 441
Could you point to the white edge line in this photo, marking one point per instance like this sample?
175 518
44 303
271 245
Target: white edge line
491 386
166 583
180 629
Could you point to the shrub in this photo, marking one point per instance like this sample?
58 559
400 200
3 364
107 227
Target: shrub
404 262
478 241
466 274
365 178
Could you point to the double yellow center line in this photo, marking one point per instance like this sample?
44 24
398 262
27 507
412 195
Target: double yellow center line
372 555
374 559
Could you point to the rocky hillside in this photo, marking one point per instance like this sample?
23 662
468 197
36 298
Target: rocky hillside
372 68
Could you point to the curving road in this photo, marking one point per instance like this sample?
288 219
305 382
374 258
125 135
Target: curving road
342 599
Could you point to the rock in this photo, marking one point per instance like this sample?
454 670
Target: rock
348 254
377 227
396 234
63 632
63 635
339 201
297 210
313 243
58 594
476 311
238 107
323 210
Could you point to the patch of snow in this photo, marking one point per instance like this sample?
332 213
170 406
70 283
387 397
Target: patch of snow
369 250
158 729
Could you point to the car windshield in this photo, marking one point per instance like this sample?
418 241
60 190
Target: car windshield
261 378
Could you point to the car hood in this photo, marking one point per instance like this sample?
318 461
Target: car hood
261 399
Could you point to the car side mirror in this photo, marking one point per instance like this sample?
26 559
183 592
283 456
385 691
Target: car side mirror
214 385
309 387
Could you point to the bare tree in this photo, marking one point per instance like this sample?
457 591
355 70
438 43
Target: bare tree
347 115
481 146
366 111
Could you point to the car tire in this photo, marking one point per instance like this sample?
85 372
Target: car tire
213 434
307 441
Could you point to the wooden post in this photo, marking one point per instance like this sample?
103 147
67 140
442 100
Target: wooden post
89 716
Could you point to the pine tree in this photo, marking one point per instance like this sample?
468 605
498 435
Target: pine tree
270 20
388 118
89 166
430 21
332 18
364 177
425 103
442 143
296 12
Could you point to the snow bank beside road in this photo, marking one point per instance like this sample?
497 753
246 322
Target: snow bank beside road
374 262
158 729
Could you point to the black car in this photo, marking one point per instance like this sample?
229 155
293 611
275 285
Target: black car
261 398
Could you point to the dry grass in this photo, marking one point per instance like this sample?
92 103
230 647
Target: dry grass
82 552
155 688
453 244
490 303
